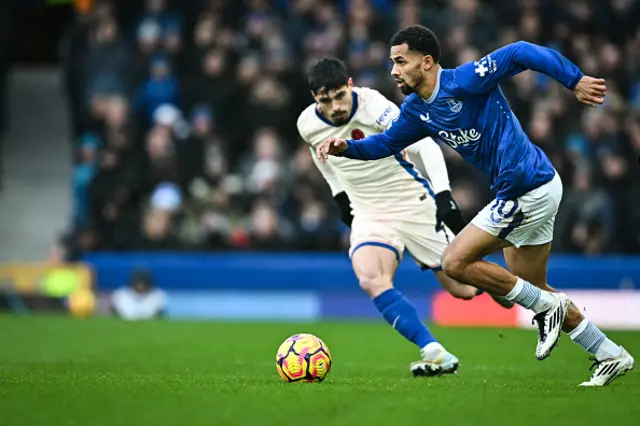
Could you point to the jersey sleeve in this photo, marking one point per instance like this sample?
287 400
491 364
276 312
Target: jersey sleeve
427 156
327 172
300 125
483 75
325 169
402 132
384 110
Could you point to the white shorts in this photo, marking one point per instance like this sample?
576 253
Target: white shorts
414 231
527 221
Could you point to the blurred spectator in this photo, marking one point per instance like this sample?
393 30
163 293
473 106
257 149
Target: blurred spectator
156 232
262 168
160 163
85 170
196 140
586 220
141 300
267 231
148 44
107 63
161 87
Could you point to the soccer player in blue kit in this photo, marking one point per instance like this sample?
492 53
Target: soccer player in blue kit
465 108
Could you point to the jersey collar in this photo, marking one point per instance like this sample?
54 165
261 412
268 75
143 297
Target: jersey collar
354 108
434 95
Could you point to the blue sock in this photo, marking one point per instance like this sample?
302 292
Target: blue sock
402 316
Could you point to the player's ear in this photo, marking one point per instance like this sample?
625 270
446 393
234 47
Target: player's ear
350 83
427 62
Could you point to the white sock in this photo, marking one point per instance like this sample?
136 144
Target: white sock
530 296
607 349
593 340
578 330
433 347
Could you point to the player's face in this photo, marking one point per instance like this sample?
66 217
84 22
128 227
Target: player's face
335 105
409 68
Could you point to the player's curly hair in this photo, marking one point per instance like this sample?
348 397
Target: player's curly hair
328 74
420 39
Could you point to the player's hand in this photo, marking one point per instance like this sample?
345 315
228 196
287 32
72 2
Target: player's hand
590 91
448 213
332 146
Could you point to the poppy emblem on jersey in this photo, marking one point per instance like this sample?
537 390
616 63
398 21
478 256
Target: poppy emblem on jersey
357 134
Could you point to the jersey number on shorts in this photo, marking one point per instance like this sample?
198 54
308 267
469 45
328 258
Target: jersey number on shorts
502 211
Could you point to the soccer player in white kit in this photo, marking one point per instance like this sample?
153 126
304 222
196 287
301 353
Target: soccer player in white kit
389 203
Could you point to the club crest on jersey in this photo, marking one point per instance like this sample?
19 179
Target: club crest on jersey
357 134
454 104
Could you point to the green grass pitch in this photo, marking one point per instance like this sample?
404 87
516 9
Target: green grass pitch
64 371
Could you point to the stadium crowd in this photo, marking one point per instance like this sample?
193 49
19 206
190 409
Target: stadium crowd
184 113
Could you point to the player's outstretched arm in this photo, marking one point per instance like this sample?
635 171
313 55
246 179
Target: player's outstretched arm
337 191
402 133
344 205
427 156
483 75
328 174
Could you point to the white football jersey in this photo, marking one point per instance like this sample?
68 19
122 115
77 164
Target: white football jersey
389 185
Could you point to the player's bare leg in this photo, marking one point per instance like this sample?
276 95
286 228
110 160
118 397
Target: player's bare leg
530 264
375 267
465 291
456 289
463 262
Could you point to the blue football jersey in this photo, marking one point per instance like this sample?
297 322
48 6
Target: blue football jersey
468 111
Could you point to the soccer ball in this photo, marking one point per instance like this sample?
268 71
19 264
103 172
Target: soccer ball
81 303
303 358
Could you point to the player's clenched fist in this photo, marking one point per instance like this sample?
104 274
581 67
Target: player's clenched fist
332 146
590 91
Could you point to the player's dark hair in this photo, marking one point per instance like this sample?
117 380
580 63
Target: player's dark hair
328 74
419 39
